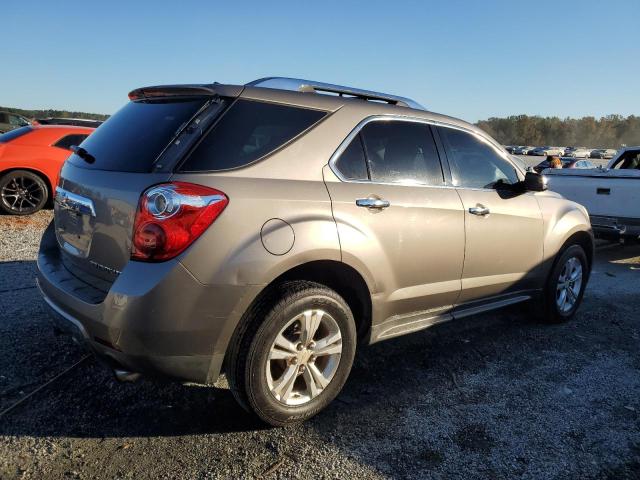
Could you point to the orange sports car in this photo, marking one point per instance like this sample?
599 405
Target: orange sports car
30 161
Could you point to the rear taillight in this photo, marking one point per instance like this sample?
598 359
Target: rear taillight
171 216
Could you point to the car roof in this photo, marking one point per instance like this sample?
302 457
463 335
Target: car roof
306 98
313 94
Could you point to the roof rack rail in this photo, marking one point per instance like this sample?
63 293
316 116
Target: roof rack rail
300 85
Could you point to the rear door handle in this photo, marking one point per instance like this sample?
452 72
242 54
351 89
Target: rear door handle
479 210
372 202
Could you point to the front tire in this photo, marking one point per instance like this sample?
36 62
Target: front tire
22 193
565 286
295 354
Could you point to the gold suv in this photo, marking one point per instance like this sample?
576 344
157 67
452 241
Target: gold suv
266 230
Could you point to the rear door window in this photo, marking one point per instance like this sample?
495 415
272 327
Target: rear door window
628 161
473 162
402 152
248 131
133 138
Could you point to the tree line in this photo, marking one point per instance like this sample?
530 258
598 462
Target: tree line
611 131
31 114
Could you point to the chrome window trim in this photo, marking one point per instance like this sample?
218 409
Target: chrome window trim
406 118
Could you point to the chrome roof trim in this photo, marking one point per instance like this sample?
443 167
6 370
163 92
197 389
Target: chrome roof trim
301 85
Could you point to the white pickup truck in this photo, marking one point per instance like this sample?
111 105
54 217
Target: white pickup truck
611 195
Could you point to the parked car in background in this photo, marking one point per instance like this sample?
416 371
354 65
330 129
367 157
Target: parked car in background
577 152
567 162
30 161
10 121
545 151
269 228
78 122
611 195
522 150
510 148
568 150
603 153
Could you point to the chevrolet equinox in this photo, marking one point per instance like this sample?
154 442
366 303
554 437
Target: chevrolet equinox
265 230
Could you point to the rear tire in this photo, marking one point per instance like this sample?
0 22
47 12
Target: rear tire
293 354
565 286
22 193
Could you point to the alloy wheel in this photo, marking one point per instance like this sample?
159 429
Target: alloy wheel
304 357
22 194
569 285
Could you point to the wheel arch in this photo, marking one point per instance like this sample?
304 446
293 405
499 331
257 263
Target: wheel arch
338 276
585 240
37 172
342 278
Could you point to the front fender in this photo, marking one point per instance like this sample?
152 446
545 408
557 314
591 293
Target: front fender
562 219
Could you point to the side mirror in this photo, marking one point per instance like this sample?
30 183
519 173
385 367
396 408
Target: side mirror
534 182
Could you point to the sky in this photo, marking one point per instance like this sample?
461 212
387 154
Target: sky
472 59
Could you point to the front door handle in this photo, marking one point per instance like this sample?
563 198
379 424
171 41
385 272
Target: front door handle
479 210
372 202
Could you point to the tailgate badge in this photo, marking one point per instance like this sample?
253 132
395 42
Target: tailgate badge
76 203
104 268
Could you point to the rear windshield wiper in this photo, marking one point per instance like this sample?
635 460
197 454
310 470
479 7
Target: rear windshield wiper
83 154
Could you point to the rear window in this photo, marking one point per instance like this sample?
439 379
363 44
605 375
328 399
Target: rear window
248 131
133 138
13 134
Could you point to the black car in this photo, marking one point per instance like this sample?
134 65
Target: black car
78 122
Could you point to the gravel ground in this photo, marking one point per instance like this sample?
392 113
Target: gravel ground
492 396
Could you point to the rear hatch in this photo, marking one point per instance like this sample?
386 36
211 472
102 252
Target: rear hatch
101 183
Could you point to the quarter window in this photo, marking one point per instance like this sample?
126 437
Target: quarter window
248 131
474 163
68 141
401 152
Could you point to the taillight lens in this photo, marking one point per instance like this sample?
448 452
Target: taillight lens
171 216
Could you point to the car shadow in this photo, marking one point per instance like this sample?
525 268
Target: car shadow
87 402
626 256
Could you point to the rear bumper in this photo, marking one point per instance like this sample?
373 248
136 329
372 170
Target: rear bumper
185 367
156 319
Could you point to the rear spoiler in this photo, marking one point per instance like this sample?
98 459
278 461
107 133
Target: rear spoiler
169 91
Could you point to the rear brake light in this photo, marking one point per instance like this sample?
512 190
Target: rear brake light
171 216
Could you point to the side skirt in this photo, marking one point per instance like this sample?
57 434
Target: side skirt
403 324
